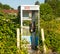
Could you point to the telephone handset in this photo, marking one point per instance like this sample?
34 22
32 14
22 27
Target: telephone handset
32 27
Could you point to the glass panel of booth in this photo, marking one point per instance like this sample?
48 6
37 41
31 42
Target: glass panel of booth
27 20
27 14
26 31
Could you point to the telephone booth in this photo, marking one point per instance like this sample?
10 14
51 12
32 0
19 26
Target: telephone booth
29 14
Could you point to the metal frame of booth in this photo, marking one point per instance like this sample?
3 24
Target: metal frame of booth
29 9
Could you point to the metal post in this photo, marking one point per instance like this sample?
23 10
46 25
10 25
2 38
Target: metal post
43 39
38 28
21 22
18 38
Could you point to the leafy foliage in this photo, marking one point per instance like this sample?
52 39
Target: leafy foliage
7 34
46 12
51 28
5 6
8 25
55 5
37 3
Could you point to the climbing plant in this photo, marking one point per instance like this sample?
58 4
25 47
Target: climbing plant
51 27
8 26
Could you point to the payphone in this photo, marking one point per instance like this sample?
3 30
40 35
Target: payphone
29 21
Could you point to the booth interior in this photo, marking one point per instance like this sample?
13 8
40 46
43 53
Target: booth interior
29 16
